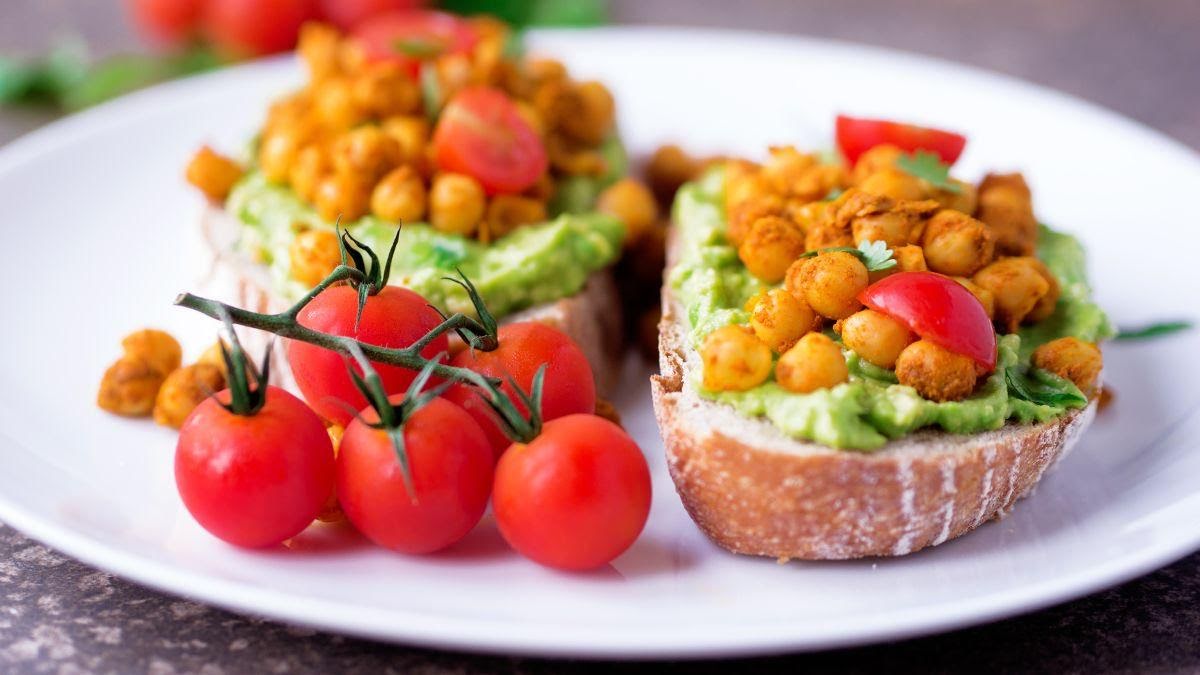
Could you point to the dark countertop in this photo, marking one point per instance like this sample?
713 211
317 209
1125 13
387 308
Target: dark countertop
1141 59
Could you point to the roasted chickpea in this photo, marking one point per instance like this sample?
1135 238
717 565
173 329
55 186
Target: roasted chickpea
631 202
313 254
385 89
670 167
803 213
279 149
154 347
780 318
815 362
1049 302
214 174
185 389
1072 359
412 133
746 184
506 213
908 259
786 167
827 234
591 113
310 167
334 104
1017 285
983 295
876 337
129 387
895 184
1006 205
956 244
400 197
742 215
318 47
937 374
832 282
876 159
367 152
772 245
966 199
734 359
342 196
894 228
456 203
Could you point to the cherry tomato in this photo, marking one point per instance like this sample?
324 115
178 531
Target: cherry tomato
257 27
408 37
576 497
254 480
482 133
346 14
938 309
395 317
168 21
568 386
451 466
855 136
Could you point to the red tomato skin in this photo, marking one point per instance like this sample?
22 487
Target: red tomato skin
481 133
347 14
167 21
574 498
257 27
856 135
254 481
569 386
451 465
938 309
395 317
379 33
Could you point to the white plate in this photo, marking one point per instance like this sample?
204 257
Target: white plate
99 237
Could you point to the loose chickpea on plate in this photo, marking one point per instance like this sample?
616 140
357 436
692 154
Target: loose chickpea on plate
185 389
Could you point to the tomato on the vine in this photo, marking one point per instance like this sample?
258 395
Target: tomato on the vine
856 135
169 21
254 480
568 387
395 317
575 497
482 133
939 309
451 469
408 37
257 27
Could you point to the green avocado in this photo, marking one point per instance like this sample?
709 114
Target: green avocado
532 265
872 408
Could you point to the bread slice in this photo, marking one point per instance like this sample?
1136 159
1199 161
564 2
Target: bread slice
592 317
753 490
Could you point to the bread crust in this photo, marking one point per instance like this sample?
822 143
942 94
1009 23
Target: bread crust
592 317
755 491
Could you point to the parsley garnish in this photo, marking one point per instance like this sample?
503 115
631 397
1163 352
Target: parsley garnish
928 167
1042 388
874 254
1153 330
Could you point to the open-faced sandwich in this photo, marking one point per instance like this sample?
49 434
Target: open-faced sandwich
493 163
864 356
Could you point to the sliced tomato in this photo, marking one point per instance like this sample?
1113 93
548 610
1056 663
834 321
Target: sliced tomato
939 309
856 135
482 133
346 14
257 27
408 37
168 21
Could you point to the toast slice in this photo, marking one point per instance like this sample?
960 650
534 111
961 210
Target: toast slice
756 491
591 317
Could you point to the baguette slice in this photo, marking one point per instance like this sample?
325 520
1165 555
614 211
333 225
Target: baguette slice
592 317
754 490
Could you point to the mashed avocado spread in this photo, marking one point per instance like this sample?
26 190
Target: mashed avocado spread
870 409
532 265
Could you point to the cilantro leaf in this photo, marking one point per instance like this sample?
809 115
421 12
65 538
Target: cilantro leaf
1043 388
1153 330
874 254
928 167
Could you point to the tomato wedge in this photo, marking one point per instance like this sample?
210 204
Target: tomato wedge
482 133
408 37
856 135
938 309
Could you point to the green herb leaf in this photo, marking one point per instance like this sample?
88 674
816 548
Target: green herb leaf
833 194
928 167
1043 388
524 13
431 90
1153 330
874 254
419 48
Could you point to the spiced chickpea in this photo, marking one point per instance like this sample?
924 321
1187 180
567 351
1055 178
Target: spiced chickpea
591 114
1006 205
367 152
456 203
279 148
815 362
670 167
770 247
342 196
313 254
956 244
876 337
400 196
734 359
803 213
786 167
1017 285
744 185
742 215
183 390
411 133
385 89
983 295
937 374
1049 302
895 184
826 233
631 202
779 319
506 213
318 47
311 165
1072 359
214 357
874 160
909 258
155 347
214 174
964 199
129 387
334 104
831 283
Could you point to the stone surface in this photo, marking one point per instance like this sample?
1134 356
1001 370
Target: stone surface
1142 59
